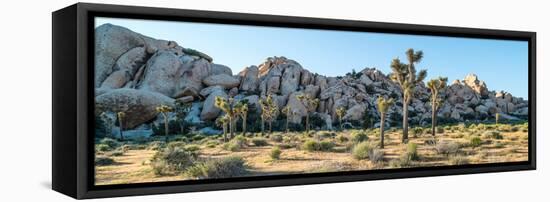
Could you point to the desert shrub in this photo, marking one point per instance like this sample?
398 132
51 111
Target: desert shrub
212 143
342 138
310 145
118 152
514 129
499 145
172 160
103 161
198 137
324 134
259 141
361 151
226 167
326 146
504 127
440 130
109 142
447 147
376 155
103 147
417 131
402 162
275 153
412 151
276 138
176 144
156 145
459 160
492 135
461 127
358 136
191 147
475 141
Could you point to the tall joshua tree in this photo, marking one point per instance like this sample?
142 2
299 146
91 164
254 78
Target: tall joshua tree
227 107
181 109
406 77
242 110
269 110
163 109
497 117
121 116
435 86
310 103
340 111
383 106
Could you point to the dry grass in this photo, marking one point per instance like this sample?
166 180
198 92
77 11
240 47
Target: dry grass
133 166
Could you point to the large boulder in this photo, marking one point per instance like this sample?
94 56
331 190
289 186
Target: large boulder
221 69
477 85
162 73
139 106
209 109
223 80
111 42
131 60
250 80
291 78
297 107
193 74
355 113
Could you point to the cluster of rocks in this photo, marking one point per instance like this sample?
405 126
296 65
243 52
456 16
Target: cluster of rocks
136 73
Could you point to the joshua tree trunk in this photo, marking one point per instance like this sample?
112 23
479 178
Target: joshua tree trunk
225 132
405 137
382 120
270 122
165 127
434 122
244 125
263 126
286 127
231 127
120 124
307 124
340 119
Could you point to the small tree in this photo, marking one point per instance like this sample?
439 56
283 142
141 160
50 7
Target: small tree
340 111
269 110
383 106
288 112
163 109
121 116
435 86
310 103
181 109
241 108
222 121
497 117
227 107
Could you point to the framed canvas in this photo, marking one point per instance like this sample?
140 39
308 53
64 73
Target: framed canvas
156 100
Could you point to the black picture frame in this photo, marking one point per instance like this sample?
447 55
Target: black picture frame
72 70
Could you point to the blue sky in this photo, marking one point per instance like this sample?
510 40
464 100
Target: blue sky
502 64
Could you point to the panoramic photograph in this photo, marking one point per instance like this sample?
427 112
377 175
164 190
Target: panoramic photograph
179 101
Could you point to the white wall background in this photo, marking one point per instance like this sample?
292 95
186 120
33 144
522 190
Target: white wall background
25 104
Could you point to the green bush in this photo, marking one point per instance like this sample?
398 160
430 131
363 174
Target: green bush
326 146
376 155
492 135
118 152
402 162
192 147
411 151
156 145
310 145
103 147
275 153
259 141
218 168
358 136
342 138
172 160
361 151
276 138
475 141
103 161
447 147
110 142
440 130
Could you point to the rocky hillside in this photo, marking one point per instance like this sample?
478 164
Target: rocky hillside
135 73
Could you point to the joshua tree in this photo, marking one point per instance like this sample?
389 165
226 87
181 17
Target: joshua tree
288 111
242 110
227 107
406 77
497 117
310 103
222 121
340 111
121 116
435 86
181 109
269 110
163 109
383 106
